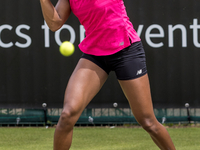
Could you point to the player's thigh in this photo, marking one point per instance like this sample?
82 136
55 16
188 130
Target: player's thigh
138 94
84 83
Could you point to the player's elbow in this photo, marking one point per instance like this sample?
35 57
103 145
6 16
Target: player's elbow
54 26
54 29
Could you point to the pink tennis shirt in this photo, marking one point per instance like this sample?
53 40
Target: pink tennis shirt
107 26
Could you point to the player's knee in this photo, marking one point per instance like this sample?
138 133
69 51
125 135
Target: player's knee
150 125
66 118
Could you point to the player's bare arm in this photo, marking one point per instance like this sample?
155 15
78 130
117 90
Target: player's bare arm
56 16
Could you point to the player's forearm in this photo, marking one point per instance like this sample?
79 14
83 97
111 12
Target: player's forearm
50 14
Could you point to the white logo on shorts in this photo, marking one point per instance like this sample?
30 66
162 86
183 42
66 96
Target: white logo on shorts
121 43
139 72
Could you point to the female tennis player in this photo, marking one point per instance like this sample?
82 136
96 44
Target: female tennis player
111 44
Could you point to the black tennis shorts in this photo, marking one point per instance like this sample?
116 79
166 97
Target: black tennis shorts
129 63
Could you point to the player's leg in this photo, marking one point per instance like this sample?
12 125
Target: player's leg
84 84
138 94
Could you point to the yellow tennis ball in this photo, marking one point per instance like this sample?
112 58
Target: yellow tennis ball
66 48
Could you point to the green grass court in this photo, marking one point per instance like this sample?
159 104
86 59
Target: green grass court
96 138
